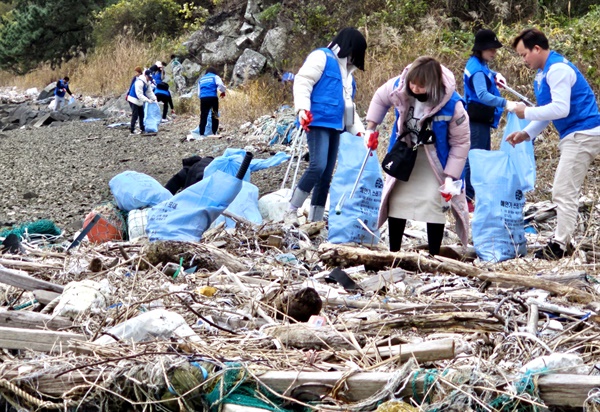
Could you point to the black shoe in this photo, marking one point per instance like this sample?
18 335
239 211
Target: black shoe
552 251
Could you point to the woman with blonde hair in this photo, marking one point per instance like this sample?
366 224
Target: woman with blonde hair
430 119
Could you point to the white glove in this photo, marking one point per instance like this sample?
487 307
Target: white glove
500 80
511 106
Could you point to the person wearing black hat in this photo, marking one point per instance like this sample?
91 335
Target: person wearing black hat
139 93
484 102
323 99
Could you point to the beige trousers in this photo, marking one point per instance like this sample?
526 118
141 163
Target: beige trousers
577 152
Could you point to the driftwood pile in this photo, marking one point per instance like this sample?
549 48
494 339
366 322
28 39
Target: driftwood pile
396 330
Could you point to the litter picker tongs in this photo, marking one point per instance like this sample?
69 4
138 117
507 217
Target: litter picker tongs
519 95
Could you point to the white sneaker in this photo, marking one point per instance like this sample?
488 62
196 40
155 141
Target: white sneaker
290 218
164 120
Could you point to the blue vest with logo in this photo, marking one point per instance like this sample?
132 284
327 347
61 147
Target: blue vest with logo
207 85
132 88
473 66
327 98
61 84
583 110
440 125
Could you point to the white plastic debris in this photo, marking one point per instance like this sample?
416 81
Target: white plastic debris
32 92
273 206
80 297
155 324
560 363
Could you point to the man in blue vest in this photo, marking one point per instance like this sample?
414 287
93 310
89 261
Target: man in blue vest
62 87
208 86
565 98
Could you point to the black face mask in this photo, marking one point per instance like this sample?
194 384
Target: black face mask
422 97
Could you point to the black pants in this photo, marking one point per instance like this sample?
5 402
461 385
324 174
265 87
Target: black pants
435 234
137 112
167 101
207 103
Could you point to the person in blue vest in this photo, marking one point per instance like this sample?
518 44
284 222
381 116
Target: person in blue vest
140 92
158 73
565 98
210 87
425 99
62 87
323 94
163 95
483 100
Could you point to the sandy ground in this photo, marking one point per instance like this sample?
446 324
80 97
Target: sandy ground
62 172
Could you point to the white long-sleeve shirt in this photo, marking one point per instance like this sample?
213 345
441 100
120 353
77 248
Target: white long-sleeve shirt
310 73
561 78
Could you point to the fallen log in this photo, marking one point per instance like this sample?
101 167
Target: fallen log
32 320
303 336
22 280
455 321
341 255
37 340
555 390
45 296
429 351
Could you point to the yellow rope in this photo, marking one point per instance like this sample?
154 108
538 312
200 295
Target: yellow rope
32 400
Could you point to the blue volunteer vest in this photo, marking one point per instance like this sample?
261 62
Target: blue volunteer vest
207 85
440 125
583 110
327 98
473 66
61 84
158 91
132 88
156 76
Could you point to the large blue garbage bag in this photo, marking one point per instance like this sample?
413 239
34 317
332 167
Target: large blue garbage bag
231 160
134 190
344 227
190 212
500 179
152 117
244 205
522 154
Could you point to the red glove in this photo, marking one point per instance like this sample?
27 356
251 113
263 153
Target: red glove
373 139
447 196
222 94
305 117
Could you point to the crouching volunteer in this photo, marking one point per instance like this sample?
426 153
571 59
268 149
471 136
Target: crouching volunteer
565 98
140 93
430 115
323 92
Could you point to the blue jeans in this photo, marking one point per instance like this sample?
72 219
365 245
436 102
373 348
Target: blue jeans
480 139
323 144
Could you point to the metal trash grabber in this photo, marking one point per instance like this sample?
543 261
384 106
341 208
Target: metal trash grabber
300 147
295 148
519 95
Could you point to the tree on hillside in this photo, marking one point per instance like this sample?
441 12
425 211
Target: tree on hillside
51 31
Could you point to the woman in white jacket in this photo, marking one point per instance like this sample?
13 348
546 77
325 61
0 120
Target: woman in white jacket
323 98
139 93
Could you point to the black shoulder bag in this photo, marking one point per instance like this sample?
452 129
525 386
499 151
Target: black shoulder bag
400 161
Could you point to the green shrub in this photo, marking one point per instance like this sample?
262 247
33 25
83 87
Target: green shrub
143 19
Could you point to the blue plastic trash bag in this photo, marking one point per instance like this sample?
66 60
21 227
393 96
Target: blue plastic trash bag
231 160
134 190
245 205
522 154
208 128
190 212
152 117
344 227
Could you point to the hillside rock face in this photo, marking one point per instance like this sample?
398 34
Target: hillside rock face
238 38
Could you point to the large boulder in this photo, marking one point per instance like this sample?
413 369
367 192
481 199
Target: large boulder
190 71
47 92
220 52
249 65
274 44
253 10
